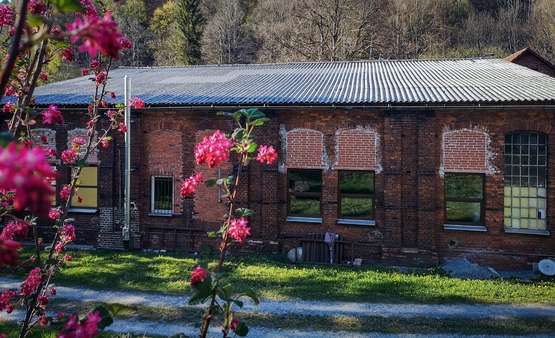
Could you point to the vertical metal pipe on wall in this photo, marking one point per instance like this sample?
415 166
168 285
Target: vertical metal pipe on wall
127 168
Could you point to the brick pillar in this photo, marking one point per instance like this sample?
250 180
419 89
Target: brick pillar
392 146
428 164
409 193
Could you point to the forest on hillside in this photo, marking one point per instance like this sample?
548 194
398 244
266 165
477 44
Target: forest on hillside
184 32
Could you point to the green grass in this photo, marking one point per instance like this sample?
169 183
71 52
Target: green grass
394 325
276 279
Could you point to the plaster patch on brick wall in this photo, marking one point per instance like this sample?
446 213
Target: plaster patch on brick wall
484 165
375 161
323 159
44 137
81 132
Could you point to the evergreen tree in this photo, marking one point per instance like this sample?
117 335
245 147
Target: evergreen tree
190 22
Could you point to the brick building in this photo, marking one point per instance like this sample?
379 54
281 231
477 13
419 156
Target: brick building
408 161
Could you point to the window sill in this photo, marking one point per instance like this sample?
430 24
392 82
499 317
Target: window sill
528 232
82 211
463 227
304 219
348 221
161 214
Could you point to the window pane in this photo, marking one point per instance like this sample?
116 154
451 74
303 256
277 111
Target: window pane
356 182
357 207
305 181
304 206
89 176
461 186
525 193
88 198
464 212
163 193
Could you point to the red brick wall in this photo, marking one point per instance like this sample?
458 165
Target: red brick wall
304 149
356 149
465 150
158 146
209 204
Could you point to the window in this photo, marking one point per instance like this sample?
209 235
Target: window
86 195
162 194
53 198
464 199
525 188
356 194
305 188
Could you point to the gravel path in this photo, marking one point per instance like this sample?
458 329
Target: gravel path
147 327
313 308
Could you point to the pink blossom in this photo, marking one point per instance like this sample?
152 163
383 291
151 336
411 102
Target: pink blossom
233 325
113 95
86 328
54 214
9 252
26 171
43 300
78 141
10 91
122 127
36 7
52 115
43 320
105 142
68 233
31 283
8 107
68 258
43 76
67 54
94 64
95 34
53 291
239 229
125 43
85 71
5 299
190 184
14 229
137 103
6 15
65 192
112 114
213 149
266 154
198 275
69 156
101 77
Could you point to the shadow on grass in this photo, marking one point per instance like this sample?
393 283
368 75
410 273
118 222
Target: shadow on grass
276 279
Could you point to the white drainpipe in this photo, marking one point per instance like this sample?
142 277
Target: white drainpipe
127 169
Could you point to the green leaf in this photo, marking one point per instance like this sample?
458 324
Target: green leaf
201 292
105 315
259 122
252 147
67 6
238 302
5 138
242 329
212 234
252 295
244 212
211 182
34 20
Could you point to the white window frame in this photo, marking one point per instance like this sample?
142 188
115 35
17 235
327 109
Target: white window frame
152 196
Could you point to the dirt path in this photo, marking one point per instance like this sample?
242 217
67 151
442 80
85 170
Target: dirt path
312 308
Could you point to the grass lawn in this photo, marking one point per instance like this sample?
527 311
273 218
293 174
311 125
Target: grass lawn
277 279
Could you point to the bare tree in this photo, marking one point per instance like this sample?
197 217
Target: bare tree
227 39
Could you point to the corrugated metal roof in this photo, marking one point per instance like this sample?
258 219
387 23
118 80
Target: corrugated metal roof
321 83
